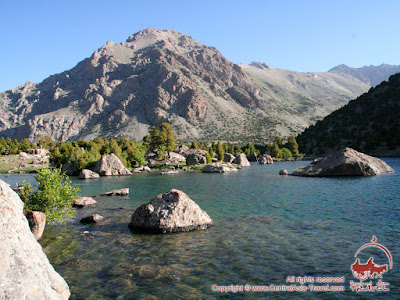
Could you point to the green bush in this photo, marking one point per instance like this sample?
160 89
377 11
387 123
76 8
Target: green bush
53 196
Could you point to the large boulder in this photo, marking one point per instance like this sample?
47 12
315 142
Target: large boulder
88 174
253 156
25 271
265 160
219 168
195 159
110 165
345 162
36 221
174 157
170 212
228 158
241 160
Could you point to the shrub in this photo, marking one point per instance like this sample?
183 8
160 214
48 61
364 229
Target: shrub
208 157
53 196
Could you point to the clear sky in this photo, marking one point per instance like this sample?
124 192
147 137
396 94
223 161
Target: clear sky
41 38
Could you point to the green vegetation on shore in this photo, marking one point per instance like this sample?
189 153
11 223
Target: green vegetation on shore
53 196
161 141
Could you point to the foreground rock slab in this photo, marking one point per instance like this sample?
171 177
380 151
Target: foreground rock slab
345 162
25 271
170 212
110 165
219 168
83 201
36 221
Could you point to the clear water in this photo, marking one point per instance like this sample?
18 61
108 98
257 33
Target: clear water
267 227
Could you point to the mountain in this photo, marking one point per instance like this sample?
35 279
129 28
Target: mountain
162 75
371 75
369 123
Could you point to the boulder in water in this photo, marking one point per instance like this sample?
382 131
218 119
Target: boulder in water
170 212
345 162
110 165
241 160
265 160
219 168
88 174
36 221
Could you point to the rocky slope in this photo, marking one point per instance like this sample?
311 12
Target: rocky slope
162 75
369 123
371 75
25 272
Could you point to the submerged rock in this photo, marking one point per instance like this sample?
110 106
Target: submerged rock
219 168
266 160
88 174
92 219
121 192
170 212
110 165
345 162
83 201
171 172
36 221
241 160
25 271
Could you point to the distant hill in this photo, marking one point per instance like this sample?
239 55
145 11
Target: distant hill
164 76
371 75
370 123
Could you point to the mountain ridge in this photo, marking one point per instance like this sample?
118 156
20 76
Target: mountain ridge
164 76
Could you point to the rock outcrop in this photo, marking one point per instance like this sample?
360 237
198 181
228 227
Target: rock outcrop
174 157
25 271
219 168
170 212
195 159
120 192
229 158
252 156
36 221
83 201
88 174
110 165
265 160
241 160
345 162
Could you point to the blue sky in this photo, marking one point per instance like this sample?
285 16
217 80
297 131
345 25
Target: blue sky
40 38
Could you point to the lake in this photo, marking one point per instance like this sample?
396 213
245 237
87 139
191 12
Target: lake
268 230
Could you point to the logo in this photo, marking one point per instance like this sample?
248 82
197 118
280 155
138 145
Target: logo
370 270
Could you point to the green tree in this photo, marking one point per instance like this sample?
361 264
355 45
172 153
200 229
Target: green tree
195 145
220 151
278 141
292 145
161 140
276 151
286 153
208 158
53 197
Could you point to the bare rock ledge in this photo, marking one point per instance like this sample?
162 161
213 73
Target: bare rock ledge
25 271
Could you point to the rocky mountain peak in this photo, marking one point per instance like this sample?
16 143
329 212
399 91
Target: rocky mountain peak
259 65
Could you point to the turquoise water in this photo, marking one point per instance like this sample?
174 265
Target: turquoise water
267 227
